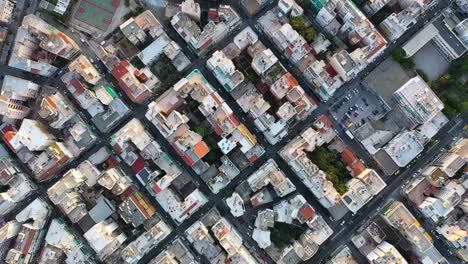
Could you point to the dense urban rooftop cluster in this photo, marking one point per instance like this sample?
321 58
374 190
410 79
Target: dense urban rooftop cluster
251 131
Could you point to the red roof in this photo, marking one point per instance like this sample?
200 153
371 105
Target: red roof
254 200
112 162
216 98
120 70
204 46
138 165
190 208
47 173
127 192
7 128
261 86
156 188
234 120
313 51
201 149
326 120
311 100
117 148
253 158
331 72
358 167
78 86
290 80
307 212
28 242
348 156
63 37
9 135
218 130
213 15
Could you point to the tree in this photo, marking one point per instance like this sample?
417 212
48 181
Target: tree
201 130
464 107
228 193
399 54
212 157
305 4
449 111
192 104
310 33
282 234
341 188
297 23
423 75
408 63
333 167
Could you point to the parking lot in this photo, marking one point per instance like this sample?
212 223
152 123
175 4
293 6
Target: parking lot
357 107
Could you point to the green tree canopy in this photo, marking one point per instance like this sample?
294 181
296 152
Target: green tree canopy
310 33
201 130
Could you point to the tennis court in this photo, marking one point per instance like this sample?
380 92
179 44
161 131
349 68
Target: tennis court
96 13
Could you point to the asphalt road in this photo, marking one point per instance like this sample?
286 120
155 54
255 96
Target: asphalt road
353 222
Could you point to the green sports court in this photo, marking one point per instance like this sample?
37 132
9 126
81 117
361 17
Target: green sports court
96 13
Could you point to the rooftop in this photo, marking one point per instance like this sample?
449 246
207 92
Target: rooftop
62 237
136 209
105 238
385 253
84 67
418 100
402 220
134 251
404 148
225 71
269 173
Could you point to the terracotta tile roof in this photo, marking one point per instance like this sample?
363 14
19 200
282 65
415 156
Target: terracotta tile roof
201 149
348 156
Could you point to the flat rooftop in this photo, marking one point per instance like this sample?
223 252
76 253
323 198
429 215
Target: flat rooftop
404 148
